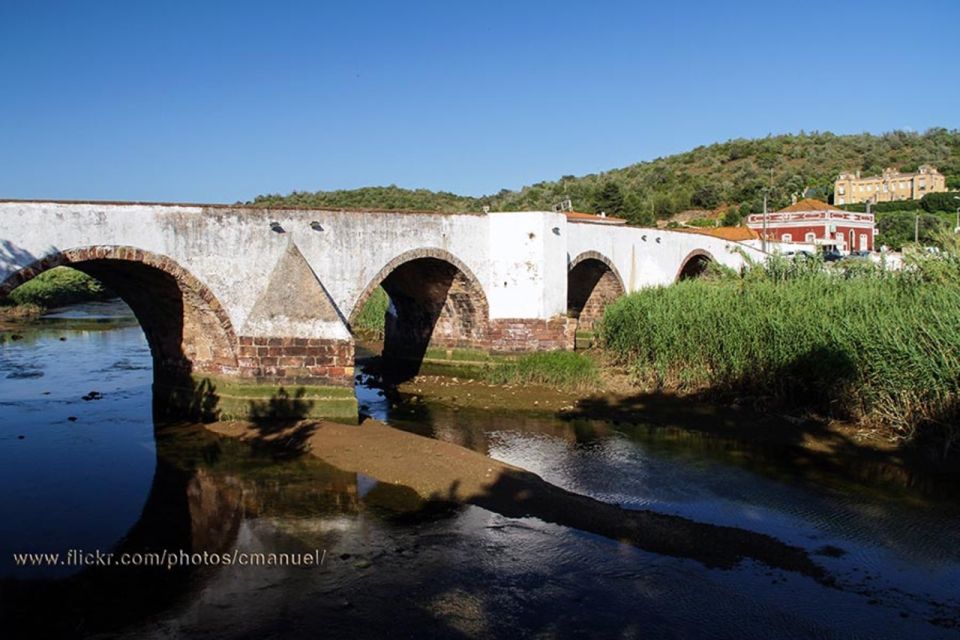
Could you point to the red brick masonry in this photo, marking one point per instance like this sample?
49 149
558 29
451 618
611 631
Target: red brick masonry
519 335
299 360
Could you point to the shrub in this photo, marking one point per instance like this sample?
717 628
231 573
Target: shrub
370 320
943 201
58 287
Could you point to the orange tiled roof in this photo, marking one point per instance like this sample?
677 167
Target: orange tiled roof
576 216
809 204
736 234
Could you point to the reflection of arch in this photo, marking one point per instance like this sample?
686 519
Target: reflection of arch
435 300
694 265
185 325
593 282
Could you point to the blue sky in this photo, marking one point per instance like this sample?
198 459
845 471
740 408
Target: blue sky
219 101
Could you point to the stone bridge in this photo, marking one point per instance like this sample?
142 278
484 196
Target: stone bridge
237 301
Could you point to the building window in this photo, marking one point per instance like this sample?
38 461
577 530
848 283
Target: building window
840 201
863 242
811 237
786 237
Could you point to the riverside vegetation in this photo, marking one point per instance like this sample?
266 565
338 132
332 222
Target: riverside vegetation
855 342
852 341
57 287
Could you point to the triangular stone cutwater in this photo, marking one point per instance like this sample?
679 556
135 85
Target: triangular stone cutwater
293 292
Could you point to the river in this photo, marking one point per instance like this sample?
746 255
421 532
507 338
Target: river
83 466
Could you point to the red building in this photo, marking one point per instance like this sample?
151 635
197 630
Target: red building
814 222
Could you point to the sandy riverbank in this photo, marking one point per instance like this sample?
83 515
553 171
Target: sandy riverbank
440 473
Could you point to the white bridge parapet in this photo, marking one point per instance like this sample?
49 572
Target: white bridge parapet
273 295
519 259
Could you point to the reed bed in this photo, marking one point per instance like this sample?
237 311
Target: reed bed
854 342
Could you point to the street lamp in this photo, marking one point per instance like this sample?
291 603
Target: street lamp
956 229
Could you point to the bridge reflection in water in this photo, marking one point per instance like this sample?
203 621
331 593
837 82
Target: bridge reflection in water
396 563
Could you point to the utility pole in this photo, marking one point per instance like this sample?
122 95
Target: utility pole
766 192
916 229
956 229
763 237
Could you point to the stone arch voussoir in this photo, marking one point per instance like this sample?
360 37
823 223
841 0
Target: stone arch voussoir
596 255
593 282
222 356
701 255
409 256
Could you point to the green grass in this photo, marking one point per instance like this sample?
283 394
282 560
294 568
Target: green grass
554 368
58 287
370 321
854 343
458 355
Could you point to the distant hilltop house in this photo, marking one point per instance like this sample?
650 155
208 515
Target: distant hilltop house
850 188
817 223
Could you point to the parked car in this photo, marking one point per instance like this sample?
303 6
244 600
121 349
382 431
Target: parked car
860 255
832 256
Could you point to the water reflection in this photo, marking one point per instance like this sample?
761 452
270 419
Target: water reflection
107 481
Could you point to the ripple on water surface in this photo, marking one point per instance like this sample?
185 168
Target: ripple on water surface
464 572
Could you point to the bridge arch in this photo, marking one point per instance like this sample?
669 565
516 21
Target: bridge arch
435 301
694 265
186 327
593 282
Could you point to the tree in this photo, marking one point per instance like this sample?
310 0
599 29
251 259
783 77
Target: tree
943 201
896 228
609 199
705 196
732 217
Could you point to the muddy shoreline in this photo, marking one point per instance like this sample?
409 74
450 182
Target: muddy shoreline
439 475
807 439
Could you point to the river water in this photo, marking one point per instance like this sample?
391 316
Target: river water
83 466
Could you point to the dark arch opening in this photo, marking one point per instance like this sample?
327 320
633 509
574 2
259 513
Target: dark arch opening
694 266
185 327
434 302
592 284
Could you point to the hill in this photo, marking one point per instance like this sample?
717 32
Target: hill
732 173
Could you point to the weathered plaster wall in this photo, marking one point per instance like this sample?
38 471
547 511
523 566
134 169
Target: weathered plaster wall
519 259
650 257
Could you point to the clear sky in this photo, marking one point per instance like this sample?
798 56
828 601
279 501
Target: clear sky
219 101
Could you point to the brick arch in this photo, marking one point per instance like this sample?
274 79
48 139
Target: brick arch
436 301
409 256
593 282
187 328
693 265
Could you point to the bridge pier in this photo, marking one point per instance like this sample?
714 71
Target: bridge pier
248 311
276 378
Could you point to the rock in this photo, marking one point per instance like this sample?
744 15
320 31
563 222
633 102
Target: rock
72 418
